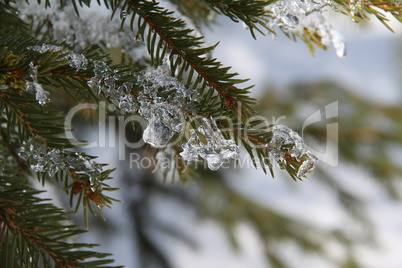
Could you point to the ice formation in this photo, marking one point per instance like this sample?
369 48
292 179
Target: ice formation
44 159
355 7
77 61
161 100
284 136
158 134
170 99
34 86
293 16
215 152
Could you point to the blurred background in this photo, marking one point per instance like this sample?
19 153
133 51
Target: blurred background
348 215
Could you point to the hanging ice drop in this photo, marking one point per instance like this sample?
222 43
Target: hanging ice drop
279 147
157 133
214 161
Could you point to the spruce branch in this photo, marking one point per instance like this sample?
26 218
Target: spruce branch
186 52
361 10
46 152
41 132
35 233
252 13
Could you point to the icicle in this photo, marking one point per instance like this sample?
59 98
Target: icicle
338 41
283 135
41 94
215 152
295 16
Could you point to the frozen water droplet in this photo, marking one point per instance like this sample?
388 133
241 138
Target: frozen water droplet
157 133
290 20
41 94
355 8
307 165
78 61
277 150
214 161
123 14
215 152
191 148
96 185
38 167
338 41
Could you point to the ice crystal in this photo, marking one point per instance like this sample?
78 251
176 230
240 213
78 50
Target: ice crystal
161 101
40 94
287 142
295 16
104 82
157 133
96 185
45 48
170 98
215 152
355 8
77 61
44 159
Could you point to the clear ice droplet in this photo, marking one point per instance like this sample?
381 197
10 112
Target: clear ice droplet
215 152
157 133
123 14
290 20
214 161
278 147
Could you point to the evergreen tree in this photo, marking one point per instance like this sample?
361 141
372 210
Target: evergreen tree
149 66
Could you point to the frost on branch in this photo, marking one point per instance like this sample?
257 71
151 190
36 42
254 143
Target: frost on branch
77 61
34 86
286 143
296 16
215 152
163 101
44 159
160 98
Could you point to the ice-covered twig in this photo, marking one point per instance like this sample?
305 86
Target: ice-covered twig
286 142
